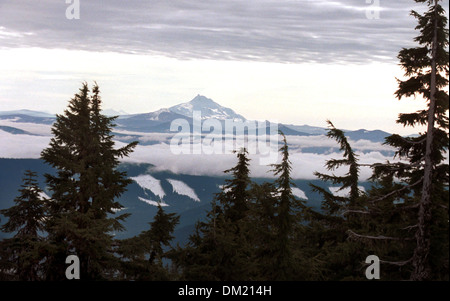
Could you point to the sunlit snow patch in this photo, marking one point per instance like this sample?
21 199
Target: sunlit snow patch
299 193
43 196
150 183
153 203
183 189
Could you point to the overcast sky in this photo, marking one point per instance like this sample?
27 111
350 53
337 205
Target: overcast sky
293 61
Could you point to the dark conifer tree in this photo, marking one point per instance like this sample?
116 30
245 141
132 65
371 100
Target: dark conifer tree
84 188
234 195
427 67
219 249
262 228
329 227
160 234
142 256
20 255
422 198
200 259
386 229
288 214
336 205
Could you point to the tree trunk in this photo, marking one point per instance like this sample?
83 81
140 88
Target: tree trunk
423 234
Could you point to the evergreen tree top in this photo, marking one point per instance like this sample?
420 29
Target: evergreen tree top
27 216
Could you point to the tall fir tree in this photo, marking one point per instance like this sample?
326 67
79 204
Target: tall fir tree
335 205
219 249
234 195
328 229
20 255
229 221
418 185
84 188
288 214
425 66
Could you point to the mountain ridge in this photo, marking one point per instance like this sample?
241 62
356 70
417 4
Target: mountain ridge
160 121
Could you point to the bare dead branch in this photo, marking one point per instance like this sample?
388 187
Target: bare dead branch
356 211
411 227
356 236
397 263
395 166
396 191
413 142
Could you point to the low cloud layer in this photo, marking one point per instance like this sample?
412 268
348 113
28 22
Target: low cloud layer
22 146
214 164
161 154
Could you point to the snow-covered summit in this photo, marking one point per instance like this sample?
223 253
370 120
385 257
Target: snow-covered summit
208 108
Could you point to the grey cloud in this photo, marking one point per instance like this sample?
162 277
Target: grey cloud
275 30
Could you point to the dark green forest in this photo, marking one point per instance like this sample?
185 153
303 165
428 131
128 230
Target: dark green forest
253 231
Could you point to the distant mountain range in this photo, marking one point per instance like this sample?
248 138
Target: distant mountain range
24 133
160 120
26 113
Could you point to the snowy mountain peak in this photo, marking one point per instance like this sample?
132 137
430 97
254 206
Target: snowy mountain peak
208 108
203 101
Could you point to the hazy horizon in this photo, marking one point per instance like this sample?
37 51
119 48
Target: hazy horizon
297 62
